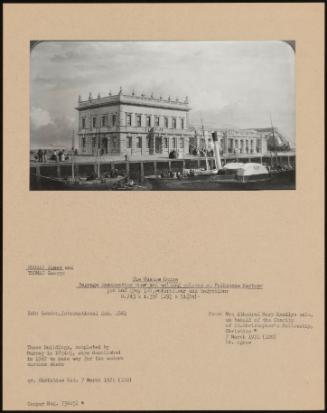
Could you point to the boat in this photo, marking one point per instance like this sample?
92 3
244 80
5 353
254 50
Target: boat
81 183
232 175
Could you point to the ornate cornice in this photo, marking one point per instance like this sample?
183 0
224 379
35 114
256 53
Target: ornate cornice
132 100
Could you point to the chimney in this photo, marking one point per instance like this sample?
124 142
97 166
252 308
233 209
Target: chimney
217 150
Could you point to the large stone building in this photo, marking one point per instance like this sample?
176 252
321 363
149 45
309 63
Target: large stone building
137 126
127 124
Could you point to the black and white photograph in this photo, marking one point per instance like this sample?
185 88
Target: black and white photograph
162 115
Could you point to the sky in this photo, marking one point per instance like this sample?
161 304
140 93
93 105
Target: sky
237 84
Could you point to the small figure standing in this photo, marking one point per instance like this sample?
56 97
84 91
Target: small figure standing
39 155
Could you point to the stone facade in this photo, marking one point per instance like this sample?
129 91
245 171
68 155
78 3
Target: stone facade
232 141
126 124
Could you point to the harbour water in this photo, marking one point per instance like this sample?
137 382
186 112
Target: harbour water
43 176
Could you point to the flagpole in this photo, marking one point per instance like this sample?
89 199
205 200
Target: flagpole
73 156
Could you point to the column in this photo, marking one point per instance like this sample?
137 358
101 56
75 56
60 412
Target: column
38 173
144 148
141 171
58 171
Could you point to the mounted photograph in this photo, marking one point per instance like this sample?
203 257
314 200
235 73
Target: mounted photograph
162 115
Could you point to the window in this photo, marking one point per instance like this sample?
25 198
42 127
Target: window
94 122
182 123
139 142
103 121
156 121
83 143
114 117
258 145
166 122
174 123
148 142
174 143
148 121
138 120
230 145
115 143
128 119
166 142
129 142
83 123
181 143
93 141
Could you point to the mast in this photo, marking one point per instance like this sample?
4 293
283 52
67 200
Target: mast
98 156
73 140
73 156
275 143
205 143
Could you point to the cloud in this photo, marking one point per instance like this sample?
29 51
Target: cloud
69 55
40 117
58 133
259 75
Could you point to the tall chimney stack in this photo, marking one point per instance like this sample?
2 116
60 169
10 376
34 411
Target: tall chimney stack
217 150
